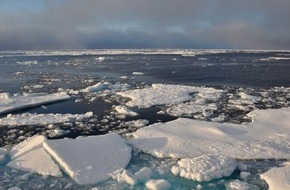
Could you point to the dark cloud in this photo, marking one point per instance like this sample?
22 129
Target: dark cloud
58 24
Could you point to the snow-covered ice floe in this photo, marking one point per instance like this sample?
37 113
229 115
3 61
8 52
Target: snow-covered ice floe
278 178
11 103
87 160
42 119
268 136
160 94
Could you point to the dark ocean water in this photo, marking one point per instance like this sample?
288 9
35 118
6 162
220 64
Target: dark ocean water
233 70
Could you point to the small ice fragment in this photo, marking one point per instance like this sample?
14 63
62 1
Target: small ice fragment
157 184
126 177
137 73
125 111
205 167
143 174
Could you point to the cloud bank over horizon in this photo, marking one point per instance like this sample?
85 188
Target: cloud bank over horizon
59 24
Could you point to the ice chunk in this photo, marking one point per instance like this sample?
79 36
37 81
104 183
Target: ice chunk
240 185
26 146
205 167
143 174
137 73
268 136
126 177
125 111
3 152
9 104
92 159
157 184
277 178
137 123
42 119
95 88
36 161
160 94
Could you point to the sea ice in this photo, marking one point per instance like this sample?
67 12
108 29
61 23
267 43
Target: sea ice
157 184
268 136
41 119
125 111
92 159
278 178
205 167
11 103
160 94
36 161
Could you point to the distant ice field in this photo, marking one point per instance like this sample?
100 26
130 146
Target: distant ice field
230 106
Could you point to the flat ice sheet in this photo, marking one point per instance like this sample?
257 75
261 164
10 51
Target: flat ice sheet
41 119
160 94
268 136
92 159
278 178
12 103
36 161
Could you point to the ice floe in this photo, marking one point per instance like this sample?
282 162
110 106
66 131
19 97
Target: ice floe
87 160
92 159
268 136
27 146
205 167
42 119
160 94
11 103
278 178
36 161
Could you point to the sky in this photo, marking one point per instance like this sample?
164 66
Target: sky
195 24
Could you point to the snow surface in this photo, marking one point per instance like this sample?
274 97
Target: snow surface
92 159
36 161
278 178
42 119
205 167
268 136
11 103
160 94
157 184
